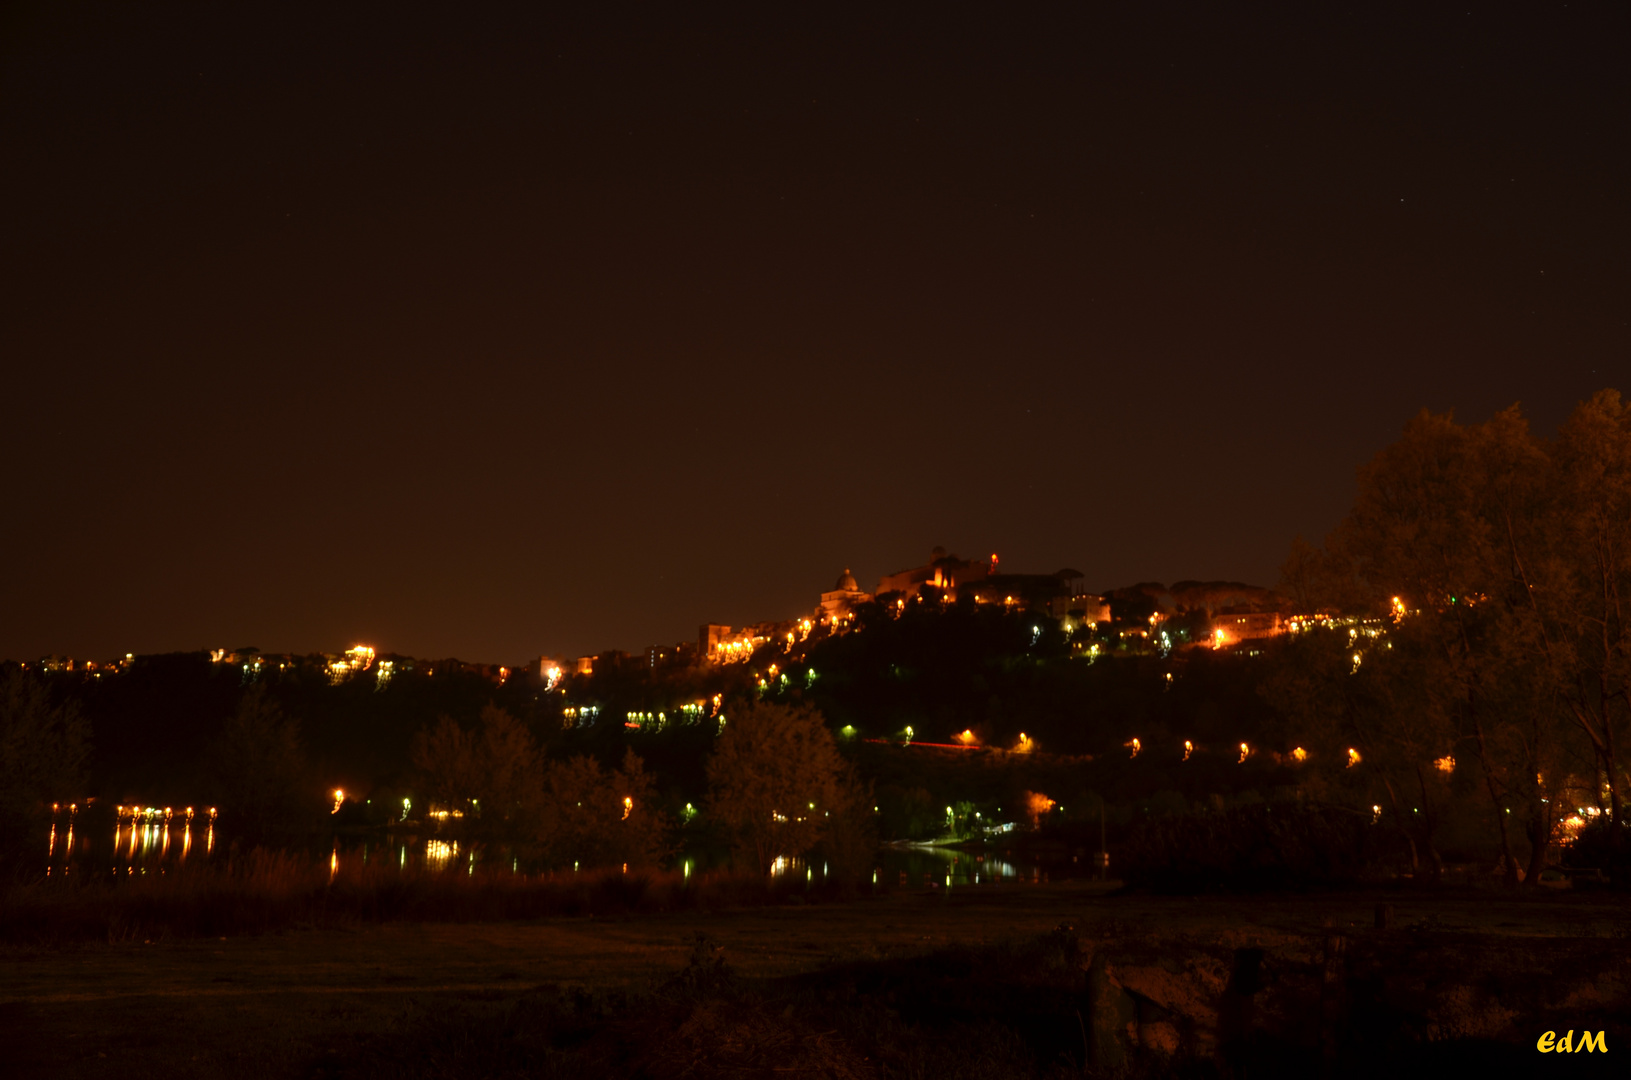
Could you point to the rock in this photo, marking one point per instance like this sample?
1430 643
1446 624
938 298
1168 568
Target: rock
1160 1037
1106 1021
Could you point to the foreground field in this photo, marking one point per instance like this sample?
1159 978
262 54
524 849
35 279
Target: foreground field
330 1002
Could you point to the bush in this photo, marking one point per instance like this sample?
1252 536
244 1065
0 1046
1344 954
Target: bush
1604 846
1255 848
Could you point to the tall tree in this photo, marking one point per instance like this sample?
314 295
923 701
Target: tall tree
490 777
258 774
43 747
775 781
593 817
1574 579
1444 520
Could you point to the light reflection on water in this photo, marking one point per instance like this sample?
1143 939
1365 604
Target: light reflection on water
935 867
154 839
143 838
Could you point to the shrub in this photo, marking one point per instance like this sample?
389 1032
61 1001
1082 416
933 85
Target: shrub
1606 847
1253 848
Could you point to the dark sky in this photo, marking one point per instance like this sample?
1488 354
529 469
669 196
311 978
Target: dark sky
491 330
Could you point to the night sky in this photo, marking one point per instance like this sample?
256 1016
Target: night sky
492 330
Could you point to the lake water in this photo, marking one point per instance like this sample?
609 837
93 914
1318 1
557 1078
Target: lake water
136 840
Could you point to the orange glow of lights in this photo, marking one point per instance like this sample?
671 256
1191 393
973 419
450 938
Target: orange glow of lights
1025 744
1353 757
1244 750
1445 764
1136 745
339 800
1299 755
628 806
966 737
1189 748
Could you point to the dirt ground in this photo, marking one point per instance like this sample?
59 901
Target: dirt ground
270 1006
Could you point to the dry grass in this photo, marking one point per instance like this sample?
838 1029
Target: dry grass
986 1014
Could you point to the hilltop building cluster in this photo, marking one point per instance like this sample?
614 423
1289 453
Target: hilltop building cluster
1218 614
1225 613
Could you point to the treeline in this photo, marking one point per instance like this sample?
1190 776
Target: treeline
776 787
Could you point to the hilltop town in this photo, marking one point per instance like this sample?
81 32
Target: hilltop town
1148 615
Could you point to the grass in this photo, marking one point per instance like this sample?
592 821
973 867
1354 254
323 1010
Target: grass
1001 1012
265 892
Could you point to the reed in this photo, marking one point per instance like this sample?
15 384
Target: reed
265 891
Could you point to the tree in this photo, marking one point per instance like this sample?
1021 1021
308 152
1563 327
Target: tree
446 759
1338 695
491 778
258 775
776 781
43 747
1575 578
590 817
1509 555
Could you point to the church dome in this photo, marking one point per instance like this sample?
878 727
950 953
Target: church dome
846 582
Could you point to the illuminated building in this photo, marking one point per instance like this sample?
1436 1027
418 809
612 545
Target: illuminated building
1234 627
1081 607
357 658
719 644
840 600
942 571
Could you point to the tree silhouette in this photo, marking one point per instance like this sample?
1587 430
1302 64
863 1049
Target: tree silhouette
776 781
257 773
591 817
43 747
